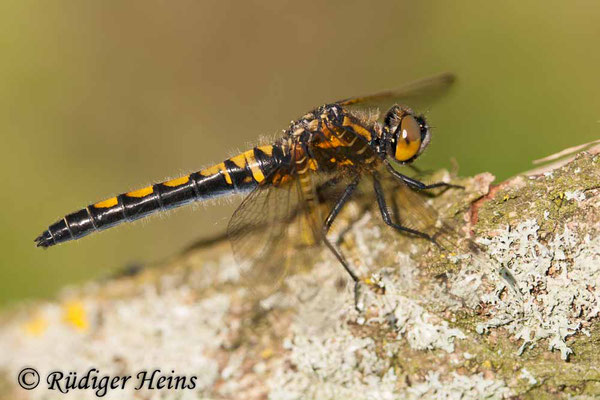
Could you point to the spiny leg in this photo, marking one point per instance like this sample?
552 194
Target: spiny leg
385 214
329 221
418 185
333 248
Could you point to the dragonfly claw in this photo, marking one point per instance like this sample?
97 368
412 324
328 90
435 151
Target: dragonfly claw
359 303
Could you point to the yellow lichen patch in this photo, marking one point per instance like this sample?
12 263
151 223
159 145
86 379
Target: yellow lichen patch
74 314
177 182
107 203
36 326
267 353
141 192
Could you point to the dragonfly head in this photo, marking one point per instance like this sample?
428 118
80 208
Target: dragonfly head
405 135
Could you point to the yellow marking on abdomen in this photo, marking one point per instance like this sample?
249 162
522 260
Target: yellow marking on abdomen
107 203
141 192
257 173
215 169
246 159
268 150
177 182
240 160
357 128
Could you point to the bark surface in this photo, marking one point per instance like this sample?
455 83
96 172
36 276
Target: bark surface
435 324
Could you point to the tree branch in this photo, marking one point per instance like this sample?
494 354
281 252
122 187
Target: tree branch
435 325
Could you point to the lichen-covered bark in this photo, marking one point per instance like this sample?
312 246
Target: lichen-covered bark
434 325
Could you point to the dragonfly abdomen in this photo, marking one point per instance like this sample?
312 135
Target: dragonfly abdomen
236 174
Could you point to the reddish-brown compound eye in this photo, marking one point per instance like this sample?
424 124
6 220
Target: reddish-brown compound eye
408 139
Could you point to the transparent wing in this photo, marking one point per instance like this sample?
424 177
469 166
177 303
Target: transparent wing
410 209
420 93
261 235
274 226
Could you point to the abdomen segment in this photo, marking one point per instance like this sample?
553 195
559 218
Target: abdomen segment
237 174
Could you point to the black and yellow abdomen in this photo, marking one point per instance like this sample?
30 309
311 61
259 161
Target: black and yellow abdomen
237 174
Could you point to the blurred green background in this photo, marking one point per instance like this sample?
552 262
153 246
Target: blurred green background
97 98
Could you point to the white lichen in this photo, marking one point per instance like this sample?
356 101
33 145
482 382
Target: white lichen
321 347
559 281
421 329
459 388
328 360
576 195
525 374
169 330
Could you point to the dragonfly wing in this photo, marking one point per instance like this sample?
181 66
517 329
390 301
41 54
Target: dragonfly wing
416 94
410 209
260 235
271 227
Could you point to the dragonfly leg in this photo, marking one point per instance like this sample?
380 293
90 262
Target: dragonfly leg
358 303
418 185
387 218
329 221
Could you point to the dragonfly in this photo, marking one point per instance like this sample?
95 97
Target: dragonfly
296 186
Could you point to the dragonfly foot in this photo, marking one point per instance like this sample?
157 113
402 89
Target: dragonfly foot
359 296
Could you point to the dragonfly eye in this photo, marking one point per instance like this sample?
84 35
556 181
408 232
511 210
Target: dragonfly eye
407 134
408 139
